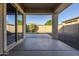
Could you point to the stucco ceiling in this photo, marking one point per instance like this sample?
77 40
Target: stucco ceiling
43 7
40 5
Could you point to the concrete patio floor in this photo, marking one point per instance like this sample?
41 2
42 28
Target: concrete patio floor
42 45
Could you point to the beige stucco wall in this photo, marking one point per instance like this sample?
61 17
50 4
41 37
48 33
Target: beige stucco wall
19 29
44 29
60 27
11 28
41 28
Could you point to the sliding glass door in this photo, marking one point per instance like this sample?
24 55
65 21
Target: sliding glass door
20 27
11 24
14 24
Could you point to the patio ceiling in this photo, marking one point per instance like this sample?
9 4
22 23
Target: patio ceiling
43 7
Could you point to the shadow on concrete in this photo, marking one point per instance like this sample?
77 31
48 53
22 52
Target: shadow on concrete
71 41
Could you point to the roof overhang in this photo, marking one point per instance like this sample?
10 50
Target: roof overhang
43 7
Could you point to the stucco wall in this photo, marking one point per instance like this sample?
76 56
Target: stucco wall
41 28
44 29
11 28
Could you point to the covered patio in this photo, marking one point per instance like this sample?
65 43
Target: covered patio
33 44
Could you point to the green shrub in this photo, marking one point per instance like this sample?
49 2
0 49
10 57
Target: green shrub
19 22
49 22
32 28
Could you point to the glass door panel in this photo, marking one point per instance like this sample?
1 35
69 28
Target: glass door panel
20 26
11 24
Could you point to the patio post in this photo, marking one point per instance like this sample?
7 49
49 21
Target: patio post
24 24
55 25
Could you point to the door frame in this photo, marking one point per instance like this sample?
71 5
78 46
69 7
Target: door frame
11 46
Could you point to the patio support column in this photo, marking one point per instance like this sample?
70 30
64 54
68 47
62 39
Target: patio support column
24 24
2 26
55 25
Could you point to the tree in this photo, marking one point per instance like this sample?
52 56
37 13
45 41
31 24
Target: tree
19 22
49 22
33 28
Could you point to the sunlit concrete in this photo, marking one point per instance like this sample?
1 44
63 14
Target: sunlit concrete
42 44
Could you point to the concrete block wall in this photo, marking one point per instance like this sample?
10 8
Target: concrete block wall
71 28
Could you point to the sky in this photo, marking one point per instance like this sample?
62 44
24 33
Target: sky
38 19
69 13
10 19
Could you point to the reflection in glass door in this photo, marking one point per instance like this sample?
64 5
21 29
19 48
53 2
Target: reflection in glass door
11 24
19 27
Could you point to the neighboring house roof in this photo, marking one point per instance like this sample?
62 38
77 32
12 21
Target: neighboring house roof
71 20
